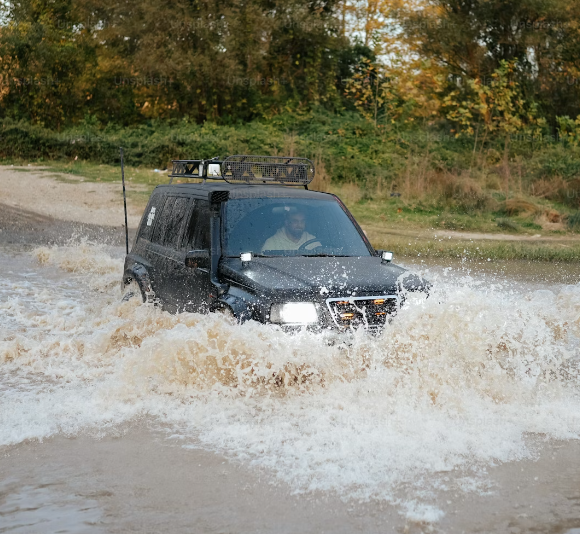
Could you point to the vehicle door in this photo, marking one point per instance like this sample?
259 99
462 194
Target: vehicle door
194 285
164 250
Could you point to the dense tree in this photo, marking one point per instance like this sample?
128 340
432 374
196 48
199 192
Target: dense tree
44 61
471 39
102 61
203 59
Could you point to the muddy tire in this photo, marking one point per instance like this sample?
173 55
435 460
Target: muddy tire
132 291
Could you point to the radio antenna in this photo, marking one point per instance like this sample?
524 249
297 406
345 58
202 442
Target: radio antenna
124 201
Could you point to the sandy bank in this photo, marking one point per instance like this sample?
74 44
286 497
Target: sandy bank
66 197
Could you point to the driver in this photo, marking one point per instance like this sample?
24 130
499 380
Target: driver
292 235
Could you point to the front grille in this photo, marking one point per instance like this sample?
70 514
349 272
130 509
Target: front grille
368 312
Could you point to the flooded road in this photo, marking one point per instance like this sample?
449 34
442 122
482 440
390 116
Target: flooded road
463 416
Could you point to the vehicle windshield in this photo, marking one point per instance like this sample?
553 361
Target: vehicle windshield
290 227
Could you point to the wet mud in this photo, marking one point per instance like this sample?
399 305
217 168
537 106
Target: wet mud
21 228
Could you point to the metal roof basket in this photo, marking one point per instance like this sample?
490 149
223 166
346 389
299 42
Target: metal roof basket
250 170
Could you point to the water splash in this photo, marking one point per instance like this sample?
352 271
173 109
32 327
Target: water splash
456 382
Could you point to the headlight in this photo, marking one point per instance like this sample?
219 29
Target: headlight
294 313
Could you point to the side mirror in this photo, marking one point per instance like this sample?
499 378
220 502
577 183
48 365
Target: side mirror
386 257
197 259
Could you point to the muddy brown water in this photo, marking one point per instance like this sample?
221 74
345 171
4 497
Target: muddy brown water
463 417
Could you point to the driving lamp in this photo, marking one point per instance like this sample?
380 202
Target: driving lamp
297 313
214 169
386 257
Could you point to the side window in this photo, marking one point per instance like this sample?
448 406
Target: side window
170 220
176 221
162 220
148 219
198 230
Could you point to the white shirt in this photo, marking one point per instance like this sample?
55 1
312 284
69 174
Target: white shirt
281 241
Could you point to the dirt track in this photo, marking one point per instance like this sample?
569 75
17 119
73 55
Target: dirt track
40 207
66 197
23 227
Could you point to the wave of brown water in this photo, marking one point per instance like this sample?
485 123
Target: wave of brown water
458 381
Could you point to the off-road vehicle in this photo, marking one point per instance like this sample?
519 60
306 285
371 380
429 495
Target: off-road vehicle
251 245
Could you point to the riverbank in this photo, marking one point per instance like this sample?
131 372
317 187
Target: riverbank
91 194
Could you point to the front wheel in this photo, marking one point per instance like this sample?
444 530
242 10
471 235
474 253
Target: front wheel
131 291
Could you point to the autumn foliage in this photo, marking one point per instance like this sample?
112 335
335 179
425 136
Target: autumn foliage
482 68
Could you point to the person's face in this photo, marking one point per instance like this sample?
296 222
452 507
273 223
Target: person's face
295 225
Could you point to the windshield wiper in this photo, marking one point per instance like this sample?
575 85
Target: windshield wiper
321 255
324 256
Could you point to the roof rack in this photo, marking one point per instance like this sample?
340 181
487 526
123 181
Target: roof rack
247 170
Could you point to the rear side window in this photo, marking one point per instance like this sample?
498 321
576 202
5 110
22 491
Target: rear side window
170 221
148 220
161 220
176 222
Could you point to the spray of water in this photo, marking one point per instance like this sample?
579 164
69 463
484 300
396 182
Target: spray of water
459 381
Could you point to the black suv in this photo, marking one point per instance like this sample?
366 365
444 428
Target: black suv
254 247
